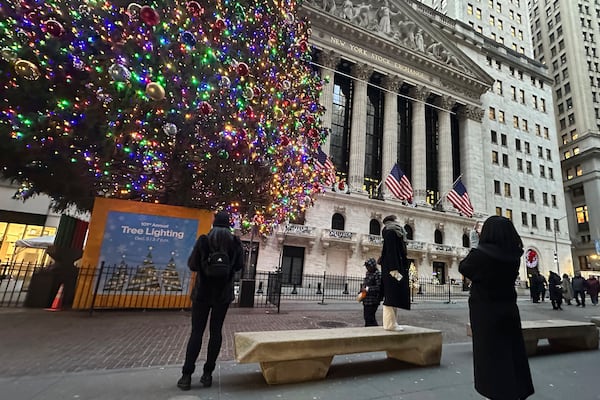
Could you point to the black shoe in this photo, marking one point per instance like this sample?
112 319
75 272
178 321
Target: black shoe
185 382
206 380
560 308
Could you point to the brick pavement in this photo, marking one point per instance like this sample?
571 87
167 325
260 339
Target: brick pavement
37 342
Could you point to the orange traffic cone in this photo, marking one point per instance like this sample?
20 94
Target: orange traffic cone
57 303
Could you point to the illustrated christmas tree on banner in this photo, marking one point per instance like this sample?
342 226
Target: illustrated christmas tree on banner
118 278
208 104
170 277
146 276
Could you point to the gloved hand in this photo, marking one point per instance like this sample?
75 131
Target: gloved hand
396 275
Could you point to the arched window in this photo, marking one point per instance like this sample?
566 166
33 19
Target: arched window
409 232
438 237
466 241
338 222
374 227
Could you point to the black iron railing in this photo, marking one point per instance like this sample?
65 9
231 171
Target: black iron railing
150 287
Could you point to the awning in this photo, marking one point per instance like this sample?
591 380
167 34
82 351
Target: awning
42 242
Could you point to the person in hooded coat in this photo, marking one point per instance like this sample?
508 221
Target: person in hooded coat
555 289
394 272
500 362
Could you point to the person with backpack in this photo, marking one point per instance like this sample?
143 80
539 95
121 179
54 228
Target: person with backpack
215 258
372 294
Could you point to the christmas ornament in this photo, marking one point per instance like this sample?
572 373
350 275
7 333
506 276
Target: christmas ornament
225 82
223 154
242 69
27 70
220 25
170 129
8 54
155 91
133 10
119 72
149 16
194 8
188 38
54 28
206 108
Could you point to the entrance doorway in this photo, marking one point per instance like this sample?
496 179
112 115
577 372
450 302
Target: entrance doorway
439 270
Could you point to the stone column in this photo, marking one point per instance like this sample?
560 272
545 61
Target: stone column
390 126
358 127
471 159
418 163
329 60
445 145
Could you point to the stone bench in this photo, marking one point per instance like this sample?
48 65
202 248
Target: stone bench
596 320
306 354
561 334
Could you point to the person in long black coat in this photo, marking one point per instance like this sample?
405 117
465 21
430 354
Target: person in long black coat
500 361
555 289
210 299
394 272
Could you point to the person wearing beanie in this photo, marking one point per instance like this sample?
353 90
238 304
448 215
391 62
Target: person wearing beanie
371 288
210 297
394 272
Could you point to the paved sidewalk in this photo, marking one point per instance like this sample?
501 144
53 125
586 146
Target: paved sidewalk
138 355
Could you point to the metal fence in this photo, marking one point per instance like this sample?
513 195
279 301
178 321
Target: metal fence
148 287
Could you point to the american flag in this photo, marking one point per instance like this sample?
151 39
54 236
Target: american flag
324 163
399 185
459 198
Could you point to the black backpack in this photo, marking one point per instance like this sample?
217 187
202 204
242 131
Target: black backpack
216 264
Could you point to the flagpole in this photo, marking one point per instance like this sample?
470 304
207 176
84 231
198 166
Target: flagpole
448 191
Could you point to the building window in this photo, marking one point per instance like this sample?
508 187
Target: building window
533 221
542 171
501 117
509 214
545 198
374 227
582 216
507 189
338 222
499 211
497 187
516 122
578 170
494 136
503 139
524 221
292 262
548 155
521 193
531 196
492 113
518 144
569 173
553 198
494 157
505 160
519 164
548 223
528 167
527 148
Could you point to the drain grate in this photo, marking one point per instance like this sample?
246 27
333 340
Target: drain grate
332 324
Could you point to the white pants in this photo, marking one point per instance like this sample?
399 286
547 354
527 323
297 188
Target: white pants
389 318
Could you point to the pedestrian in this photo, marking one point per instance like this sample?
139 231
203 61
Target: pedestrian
543 284
372 288
579 285
567 289
593 287
500 364
555 289
210 298
394 272
535 286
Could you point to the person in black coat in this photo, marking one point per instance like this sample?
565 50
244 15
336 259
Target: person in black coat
372 287
210 298
500 362
394 272
555 289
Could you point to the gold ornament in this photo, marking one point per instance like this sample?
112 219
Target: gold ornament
155 91
27 69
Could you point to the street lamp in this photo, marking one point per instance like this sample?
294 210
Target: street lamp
556 244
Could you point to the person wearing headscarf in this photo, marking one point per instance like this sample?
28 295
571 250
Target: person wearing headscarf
567 289
394 272
500 364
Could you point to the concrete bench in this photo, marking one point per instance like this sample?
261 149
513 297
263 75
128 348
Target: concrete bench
561 334
306 354
596 320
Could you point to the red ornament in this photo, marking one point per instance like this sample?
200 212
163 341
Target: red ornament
250 112
194 8
303 45
310 119
242 134
206 108
220 24
242 69
54 28
256 91
34 17
313 133
149 16
285 141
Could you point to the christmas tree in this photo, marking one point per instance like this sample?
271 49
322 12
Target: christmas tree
170 277
209 104
146 276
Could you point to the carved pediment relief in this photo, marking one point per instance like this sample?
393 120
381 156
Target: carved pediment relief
394 22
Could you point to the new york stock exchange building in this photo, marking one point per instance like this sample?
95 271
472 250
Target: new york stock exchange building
408 86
